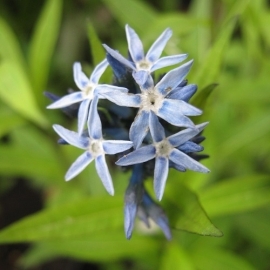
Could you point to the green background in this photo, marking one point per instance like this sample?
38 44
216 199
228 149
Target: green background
230 44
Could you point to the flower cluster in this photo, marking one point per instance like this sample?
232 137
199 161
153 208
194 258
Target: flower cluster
142 122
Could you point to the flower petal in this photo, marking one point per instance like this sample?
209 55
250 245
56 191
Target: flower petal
183 93
112 147
140 76
130 210
156 129
103 88
185 135
175 117
160 175
123 99
98 71
104 174
94 123
168 61
173 78
83 114
119 57
158 46
135 46
140 155
179 107
176 166
79 165
80 78
189 147
71 137
66 101
182 159
139 128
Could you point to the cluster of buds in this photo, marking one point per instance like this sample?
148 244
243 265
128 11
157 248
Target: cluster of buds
143 123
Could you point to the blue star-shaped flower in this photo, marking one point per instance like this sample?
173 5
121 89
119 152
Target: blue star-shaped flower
166 99
89 89
164 150
96 148
142 65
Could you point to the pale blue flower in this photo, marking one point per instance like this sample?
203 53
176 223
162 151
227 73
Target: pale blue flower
95 148
142 65
164 99
89 89
164 150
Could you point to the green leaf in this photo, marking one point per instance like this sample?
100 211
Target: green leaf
188 214
9 120
214 258
208 72
100 247
135 13
97 51
9 46
236 195
201 99
30 154
175 257
82 219
16 92
43 44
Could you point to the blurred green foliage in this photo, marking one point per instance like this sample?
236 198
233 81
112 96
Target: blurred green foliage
230 43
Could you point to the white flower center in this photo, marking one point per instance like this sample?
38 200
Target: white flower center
143 65
88 91
151 100
96 148
163 148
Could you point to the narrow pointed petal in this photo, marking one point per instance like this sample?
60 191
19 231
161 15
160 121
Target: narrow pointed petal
140 76
130 211
173 78
119 57
156 129
180 107
142 215
168 61
163 223
79 165
189 147
176 166
135 46
182 159
160 175
175 118
139 128
71 137
158 46
98 71
140 155
104 174
112 147
185 135
123 99
103 88
80 78
183 93
66 101
83 115
94 123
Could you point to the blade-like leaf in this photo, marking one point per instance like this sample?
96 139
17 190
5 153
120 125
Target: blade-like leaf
136 13
188 214
9 45
43 44
99 247
16 92
236 195
83 218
